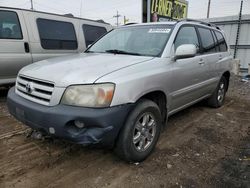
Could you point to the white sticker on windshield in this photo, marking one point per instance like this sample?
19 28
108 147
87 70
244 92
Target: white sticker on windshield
159 30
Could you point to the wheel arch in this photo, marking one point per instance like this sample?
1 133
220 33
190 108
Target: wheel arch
160 98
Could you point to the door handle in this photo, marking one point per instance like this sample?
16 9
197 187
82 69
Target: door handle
220 57
26 47
201 62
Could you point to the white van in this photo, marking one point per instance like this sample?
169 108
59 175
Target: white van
29 36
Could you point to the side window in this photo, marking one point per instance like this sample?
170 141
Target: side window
9 25
221 41
207 40
57 35
186 35
92 33
217 46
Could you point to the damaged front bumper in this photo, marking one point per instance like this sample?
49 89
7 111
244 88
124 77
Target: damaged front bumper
100 126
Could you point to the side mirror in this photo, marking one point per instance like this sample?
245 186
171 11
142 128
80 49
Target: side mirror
185 51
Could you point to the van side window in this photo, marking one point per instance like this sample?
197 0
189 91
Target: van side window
207 40
57 35
221 41
9 25
186 35
92 33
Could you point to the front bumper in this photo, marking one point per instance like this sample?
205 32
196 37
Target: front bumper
101 125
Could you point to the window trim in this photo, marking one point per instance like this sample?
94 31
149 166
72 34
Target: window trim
223 39
20 26
77 46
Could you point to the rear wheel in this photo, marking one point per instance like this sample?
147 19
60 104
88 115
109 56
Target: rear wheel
140 132
218 97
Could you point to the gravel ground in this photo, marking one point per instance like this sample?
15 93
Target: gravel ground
200 147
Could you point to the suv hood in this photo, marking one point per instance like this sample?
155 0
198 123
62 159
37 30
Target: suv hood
82 68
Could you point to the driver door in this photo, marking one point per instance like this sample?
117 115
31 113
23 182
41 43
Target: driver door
187 72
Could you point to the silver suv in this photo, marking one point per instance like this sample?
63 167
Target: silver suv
122 90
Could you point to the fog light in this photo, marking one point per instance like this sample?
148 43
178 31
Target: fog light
79 124
52 130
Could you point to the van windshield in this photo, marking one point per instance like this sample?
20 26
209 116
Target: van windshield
147 40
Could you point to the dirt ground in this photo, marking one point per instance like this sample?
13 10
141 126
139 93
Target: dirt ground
200 147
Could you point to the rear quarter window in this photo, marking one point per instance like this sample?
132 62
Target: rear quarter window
221 41
57 35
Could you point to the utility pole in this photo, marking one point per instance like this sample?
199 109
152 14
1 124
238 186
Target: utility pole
208 8
117 18
238 30
148 11
81 9
31 2
125 20
173 10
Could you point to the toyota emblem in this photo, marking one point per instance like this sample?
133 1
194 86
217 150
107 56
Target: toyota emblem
29 87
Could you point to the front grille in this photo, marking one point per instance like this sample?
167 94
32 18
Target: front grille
34 90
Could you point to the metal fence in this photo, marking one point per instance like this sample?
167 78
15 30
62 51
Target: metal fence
230 26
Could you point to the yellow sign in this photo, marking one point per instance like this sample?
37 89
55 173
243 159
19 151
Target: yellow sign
169 9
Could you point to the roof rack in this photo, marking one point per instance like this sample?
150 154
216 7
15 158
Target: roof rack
200 22
132 23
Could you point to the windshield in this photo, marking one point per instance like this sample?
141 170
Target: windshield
147 40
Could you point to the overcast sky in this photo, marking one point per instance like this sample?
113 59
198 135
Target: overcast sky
99 9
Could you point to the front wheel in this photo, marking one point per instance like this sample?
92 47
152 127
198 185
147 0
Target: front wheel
218 97
140 132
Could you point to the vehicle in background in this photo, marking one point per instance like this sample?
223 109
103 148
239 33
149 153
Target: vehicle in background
122 90
29 36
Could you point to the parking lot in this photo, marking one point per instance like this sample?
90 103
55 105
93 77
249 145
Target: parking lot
200 147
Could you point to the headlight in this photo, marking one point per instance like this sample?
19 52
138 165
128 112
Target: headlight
96 95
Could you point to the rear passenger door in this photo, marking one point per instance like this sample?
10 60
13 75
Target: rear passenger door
14 44
210 55
223 53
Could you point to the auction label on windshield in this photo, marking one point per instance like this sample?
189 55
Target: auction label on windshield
159 30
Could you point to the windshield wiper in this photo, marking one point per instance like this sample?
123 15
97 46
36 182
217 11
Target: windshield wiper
122 52
87 51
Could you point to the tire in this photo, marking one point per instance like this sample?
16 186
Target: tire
218 97
140 133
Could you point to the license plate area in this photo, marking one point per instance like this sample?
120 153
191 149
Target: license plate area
20 113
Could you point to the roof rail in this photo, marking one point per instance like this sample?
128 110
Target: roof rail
132 23
200 22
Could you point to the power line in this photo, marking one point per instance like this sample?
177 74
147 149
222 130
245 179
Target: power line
113 6
45 6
